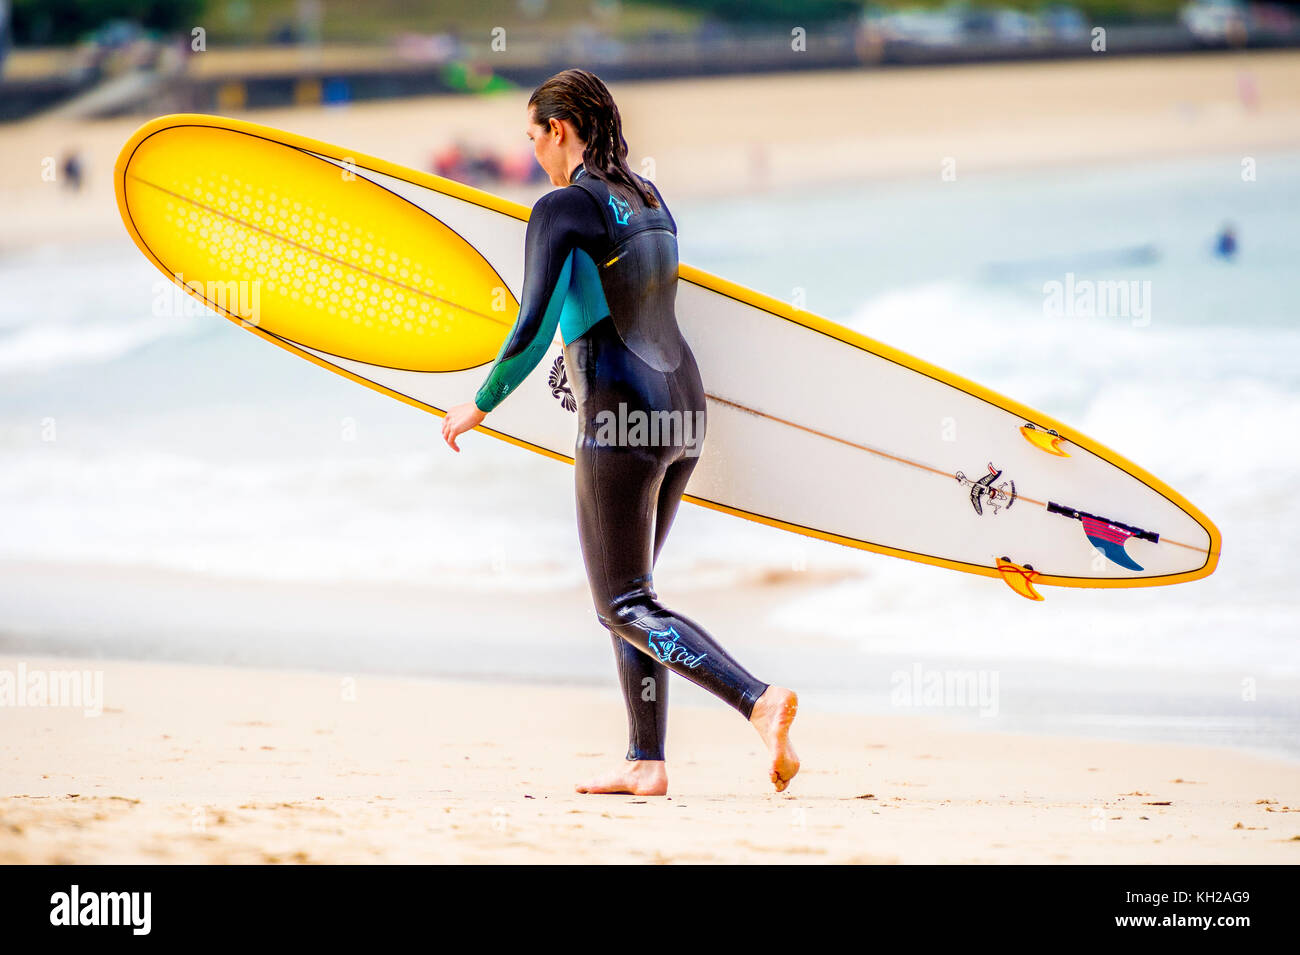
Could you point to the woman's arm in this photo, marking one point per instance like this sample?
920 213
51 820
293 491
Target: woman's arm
553 232
559 219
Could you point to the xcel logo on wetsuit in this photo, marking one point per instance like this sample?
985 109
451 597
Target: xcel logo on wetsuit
666 646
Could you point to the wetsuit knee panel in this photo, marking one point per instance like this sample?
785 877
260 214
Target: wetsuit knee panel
626 608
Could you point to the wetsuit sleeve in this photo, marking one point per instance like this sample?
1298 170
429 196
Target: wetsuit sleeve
558 222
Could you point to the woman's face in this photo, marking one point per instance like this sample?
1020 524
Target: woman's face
549 147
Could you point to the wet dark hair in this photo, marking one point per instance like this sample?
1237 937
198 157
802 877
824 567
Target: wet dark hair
582 99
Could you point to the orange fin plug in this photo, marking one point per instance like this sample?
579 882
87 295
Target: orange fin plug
1018 578
1044 439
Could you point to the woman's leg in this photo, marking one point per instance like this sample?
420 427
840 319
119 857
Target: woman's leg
614 525
627 497
643 678
618 494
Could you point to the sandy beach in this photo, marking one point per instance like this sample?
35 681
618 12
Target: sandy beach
747 134
193 764
438 727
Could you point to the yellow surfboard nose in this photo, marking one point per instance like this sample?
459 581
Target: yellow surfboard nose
391 286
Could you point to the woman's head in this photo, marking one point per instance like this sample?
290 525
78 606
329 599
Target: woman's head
573 115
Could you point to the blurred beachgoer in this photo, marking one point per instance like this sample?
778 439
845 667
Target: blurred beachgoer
71 166
474 166
482 166
521 169
1247 89
517 168
449 162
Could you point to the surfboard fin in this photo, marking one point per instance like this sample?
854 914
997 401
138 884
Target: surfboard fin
1045 439
1019 578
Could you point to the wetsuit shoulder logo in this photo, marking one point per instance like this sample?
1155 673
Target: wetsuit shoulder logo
622 209
559 382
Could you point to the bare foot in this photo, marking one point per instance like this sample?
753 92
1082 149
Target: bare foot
637 777
772 716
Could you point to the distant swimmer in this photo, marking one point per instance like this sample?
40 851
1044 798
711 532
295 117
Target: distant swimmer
1225 247
600 263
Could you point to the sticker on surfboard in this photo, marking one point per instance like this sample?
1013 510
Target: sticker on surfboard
984 491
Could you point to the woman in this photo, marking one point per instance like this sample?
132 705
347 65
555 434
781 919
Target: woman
600 261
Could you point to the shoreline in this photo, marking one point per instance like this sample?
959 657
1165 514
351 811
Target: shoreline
134 615
217 765
838 704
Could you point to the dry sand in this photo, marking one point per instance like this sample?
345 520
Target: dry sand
208 764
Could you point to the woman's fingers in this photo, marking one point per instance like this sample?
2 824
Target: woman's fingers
457 421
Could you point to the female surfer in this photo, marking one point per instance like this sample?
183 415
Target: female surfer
600 260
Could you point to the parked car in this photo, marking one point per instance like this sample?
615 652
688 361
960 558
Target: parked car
998 27
1065 23
1215 21
918 26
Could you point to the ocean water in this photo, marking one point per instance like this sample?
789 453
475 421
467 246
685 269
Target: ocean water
182 443
1201 389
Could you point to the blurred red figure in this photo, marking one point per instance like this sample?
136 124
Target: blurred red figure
1247 89
449 162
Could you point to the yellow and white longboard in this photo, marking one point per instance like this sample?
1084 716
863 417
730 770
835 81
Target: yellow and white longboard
409 283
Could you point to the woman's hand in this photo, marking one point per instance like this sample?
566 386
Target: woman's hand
460 419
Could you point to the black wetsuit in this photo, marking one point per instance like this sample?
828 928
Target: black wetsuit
605 268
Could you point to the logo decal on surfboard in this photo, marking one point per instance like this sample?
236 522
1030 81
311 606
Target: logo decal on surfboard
984 491
559 382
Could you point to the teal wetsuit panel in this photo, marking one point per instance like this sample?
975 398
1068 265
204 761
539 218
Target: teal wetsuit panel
565 238
576 304
585 304
513 363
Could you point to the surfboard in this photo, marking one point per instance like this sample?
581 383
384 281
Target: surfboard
408 283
